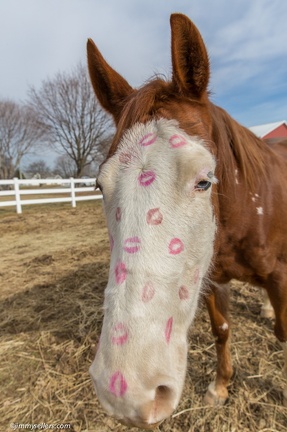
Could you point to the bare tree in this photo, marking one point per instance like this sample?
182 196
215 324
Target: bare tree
38 167
71 116
65 166
18 135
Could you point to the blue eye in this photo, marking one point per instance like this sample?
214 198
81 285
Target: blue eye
203 185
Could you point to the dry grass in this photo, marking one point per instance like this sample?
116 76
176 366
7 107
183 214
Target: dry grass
53 270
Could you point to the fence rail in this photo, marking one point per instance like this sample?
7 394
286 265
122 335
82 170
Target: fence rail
69 186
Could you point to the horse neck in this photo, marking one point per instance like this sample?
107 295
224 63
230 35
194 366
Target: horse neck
241 156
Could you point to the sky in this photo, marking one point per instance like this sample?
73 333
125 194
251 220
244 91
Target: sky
245 39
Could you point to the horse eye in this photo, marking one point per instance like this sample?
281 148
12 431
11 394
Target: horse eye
203 185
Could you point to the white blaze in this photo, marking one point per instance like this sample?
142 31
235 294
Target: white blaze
162 231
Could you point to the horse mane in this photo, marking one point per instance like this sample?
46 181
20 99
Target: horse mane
238 149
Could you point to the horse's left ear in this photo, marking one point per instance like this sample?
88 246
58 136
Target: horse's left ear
190 62
110 87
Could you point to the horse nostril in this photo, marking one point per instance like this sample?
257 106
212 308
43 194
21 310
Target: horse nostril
162 392
159 408
164 400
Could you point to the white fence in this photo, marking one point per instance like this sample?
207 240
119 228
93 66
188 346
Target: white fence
67 186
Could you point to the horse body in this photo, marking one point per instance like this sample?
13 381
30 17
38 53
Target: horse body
252 247
252 232
174 229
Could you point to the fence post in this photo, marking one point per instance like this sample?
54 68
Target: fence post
17 195
73 195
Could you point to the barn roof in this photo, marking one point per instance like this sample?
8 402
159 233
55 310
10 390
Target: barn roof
265 129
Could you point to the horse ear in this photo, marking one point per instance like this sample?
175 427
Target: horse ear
190 61
110 87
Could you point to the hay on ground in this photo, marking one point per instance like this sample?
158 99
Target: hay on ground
53 274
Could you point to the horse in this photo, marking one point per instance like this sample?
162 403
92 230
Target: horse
192 200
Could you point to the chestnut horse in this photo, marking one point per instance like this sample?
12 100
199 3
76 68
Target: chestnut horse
192 200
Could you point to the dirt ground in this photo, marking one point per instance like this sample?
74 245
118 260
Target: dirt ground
53 270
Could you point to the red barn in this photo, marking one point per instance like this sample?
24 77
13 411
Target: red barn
271 132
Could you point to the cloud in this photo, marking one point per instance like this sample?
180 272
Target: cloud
252 46
245 40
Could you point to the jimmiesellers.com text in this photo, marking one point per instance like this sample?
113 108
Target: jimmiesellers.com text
40 426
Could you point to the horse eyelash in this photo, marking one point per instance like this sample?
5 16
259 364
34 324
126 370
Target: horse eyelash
212 177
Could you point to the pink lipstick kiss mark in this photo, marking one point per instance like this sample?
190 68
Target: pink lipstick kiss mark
118 214
196 276
175 246
168 329
120 273
118 385
183 293
132 245
177 141
148 292
147 178
154 216
120 334
148 139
